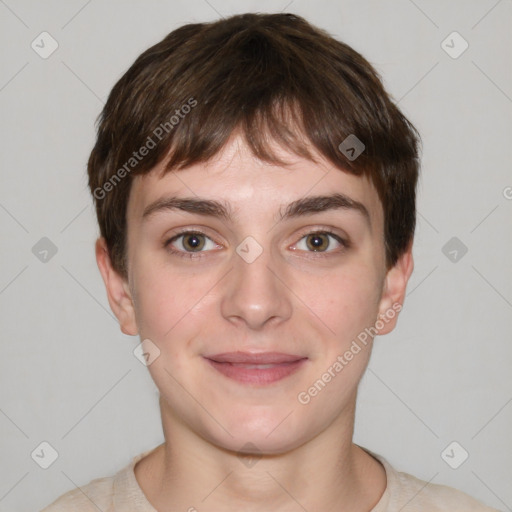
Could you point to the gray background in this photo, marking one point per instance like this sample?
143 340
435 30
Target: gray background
68 375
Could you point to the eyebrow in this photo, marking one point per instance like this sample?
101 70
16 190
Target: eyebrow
299 208
315 204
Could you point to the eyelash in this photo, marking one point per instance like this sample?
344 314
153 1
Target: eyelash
195 255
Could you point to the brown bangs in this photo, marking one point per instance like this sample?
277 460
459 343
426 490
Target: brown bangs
270 77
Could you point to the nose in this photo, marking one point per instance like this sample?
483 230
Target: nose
255 293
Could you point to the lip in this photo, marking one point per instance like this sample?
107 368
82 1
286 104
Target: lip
256 368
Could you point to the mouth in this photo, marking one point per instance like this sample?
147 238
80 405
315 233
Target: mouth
259 369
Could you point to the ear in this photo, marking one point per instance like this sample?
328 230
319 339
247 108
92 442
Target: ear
118 292
393 292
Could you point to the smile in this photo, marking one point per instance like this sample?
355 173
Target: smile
257 369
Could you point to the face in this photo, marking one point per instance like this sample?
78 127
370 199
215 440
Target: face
258 314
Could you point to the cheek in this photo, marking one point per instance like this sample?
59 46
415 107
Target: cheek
171 305
346 300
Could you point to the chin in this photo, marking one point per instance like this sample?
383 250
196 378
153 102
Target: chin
261 434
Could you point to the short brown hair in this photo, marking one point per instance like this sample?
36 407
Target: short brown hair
270 76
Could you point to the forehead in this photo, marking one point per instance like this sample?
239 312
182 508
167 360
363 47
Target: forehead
247 187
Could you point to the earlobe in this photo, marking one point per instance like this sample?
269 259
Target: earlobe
118 293
393 294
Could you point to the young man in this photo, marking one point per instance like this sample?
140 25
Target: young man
255 191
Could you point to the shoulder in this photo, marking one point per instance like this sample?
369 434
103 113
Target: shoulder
96 495
419 495
119 492
410 494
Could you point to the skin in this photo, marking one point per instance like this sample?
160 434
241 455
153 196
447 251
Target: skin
290 299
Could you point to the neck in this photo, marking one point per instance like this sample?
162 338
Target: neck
328 472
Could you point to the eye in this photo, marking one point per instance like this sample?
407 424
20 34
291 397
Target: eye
189 242
321 241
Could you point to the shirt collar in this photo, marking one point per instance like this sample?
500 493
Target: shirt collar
129 497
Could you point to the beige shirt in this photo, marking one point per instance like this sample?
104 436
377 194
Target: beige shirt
404 493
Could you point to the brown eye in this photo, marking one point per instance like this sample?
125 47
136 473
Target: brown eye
189 243
193 242
322 241
192 245
317 241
